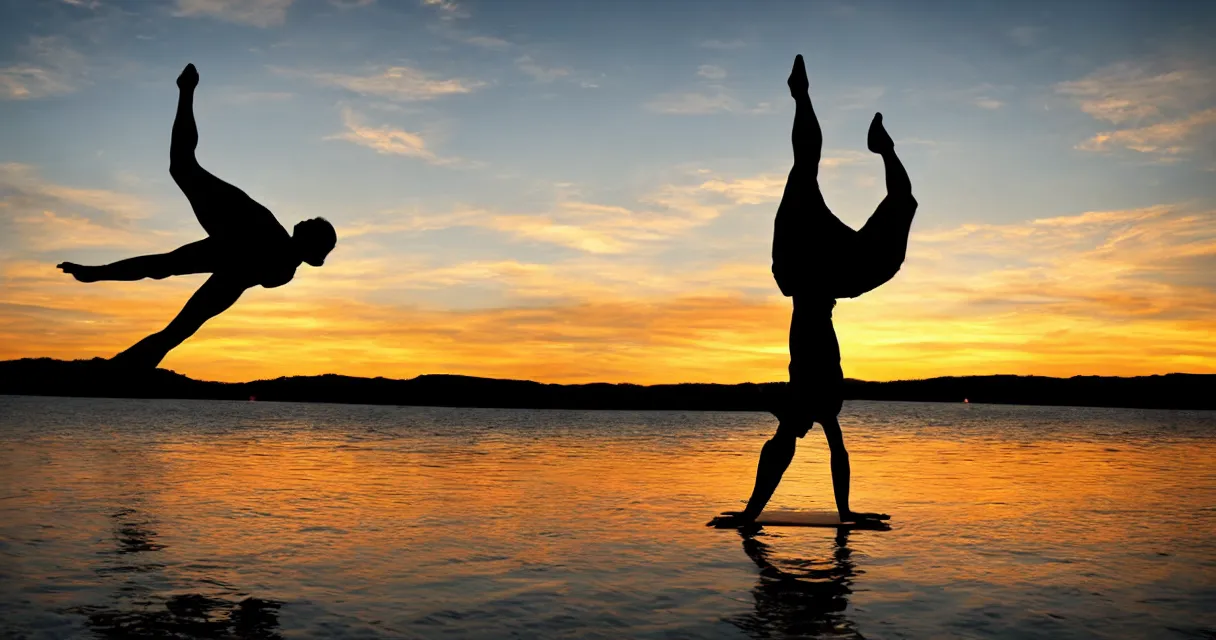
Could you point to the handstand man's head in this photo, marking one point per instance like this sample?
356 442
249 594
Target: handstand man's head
314 239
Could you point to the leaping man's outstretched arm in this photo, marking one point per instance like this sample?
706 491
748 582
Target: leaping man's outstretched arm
196 257
215 296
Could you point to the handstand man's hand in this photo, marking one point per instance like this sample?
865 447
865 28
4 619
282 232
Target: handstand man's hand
731 520
862 516
188 80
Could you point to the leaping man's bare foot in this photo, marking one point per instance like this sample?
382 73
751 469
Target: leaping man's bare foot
798 83
878 140
188 80
80 272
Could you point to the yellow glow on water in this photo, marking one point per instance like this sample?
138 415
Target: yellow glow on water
401 515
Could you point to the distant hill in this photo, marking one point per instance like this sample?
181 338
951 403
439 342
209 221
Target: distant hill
100 378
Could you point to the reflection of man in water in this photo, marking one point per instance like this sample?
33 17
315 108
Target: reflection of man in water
799 597
816 259
246 246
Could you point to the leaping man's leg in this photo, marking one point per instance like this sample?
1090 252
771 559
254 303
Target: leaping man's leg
214 297
214 201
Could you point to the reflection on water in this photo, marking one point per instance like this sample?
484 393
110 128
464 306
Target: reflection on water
136 611
185 519
800 597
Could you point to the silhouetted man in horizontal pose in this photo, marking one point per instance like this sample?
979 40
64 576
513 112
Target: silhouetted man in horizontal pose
246 246
817 258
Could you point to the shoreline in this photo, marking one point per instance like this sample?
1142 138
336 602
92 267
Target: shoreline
99 378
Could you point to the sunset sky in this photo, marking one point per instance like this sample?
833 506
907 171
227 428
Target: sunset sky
584 191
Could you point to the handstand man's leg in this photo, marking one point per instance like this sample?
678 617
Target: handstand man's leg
807 135
196 257
802 217
880 142
884 238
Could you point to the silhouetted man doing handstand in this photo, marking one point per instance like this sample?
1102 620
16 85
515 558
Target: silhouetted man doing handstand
816 259
246 246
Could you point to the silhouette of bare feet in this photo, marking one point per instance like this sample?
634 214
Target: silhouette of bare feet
798 83
80 272
188 80
878 140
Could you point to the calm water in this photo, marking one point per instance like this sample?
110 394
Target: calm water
221 519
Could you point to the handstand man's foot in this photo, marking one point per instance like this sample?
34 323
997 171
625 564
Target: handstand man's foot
798 83
732 520
878 140
80 272
188 80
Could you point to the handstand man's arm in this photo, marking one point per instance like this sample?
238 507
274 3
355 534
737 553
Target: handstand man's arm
213 298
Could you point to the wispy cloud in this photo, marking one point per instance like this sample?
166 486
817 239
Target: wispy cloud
1133 92
237 96
594 228
709 96
385 139
695 103
22 183
1169 138
487 42
541 73
1154 261
403 84
448 9
256 13
50 67
49 231
1167 110
46 216
859 98
723 45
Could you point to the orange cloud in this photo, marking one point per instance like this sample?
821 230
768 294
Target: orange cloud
1167 113
1103 292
